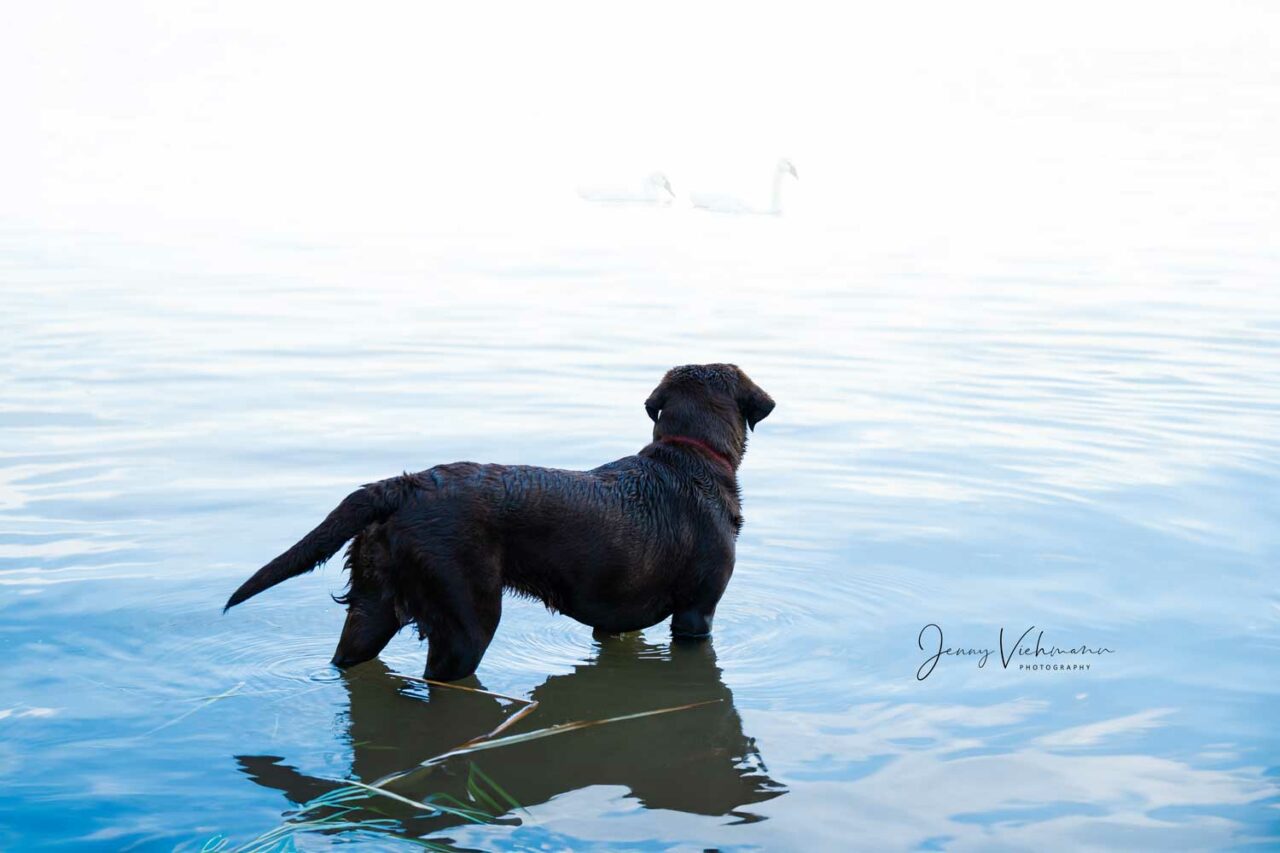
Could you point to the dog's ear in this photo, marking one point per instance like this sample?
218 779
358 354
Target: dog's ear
753 402
656 401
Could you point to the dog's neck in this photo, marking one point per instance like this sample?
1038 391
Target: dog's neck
700 445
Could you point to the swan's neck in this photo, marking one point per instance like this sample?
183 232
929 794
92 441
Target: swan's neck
775 204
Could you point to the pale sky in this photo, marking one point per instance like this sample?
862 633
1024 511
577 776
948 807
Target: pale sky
402 115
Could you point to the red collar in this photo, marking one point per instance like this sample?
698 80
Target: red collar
700 445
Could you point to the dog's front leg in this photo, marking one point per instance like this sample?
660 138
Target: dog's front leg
692 623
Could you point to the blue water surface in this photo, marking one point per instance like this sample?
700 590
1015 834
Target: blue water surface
1076 441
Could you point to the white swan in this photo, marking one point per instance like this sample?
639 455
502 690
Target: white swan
717 203
656 190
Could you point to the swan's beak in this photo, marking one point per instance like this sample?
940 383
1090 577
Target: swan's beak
666 185
792 170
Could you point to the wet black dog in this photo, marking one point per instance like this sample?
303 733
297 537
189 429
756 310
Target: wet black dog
620 547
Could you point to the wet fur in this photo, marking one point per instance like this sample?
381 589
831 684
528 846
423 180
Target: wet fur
620 547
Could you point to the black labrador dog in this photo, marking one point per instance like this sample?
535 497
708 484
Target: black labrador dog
620 547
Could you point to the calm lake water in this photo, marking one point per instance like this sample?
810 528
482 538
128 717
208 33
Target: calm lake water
1083 444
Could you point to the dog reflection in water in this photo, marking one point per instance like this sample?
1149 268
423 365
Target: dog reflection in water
697 760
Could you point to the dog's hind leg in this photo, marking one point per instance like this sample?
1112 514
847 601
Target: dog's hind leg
464 616
372 618
369 627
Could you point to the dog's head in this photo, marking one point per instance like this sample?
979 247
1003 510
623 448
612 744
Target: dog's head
715 403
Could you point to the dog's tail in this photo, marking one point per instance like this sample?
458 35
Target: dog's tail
370 503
